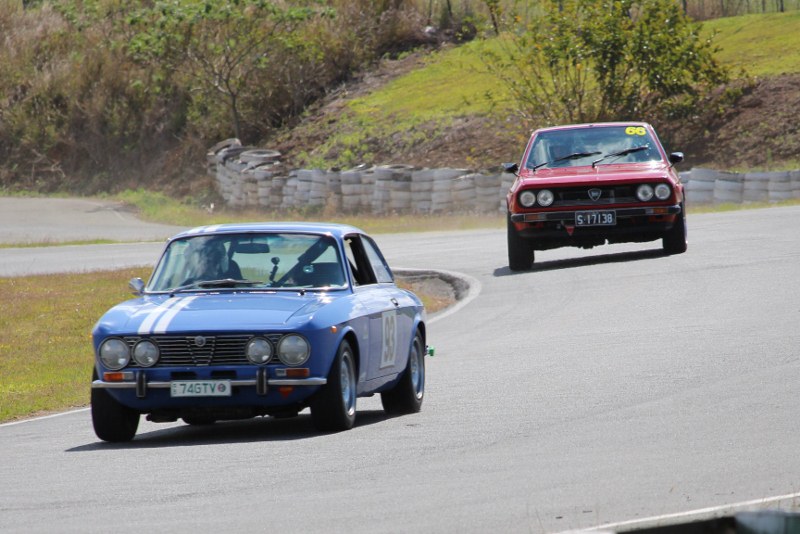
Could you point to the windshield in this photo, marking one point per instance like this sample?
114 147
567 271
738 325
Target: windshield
596 145
249 260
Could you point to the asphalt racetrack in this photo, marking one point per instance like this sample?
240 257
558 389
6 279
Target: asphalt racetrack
613 388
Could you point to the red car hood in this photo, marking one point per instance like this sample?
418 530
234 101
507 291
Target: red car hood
629 172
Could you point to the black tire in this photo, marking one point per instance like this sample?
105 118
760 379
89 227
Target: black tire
675 240
333 407
407 395
112 421
520 251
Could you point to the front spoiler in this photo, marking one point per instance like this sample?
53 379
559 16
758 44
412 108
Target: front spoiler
569 216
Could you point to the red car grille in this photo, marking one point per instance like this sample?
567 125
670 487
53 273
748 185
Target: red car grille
579 196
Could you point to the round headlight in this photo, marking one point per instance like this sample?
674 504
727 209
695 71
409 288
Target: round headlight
145 353
293 350
114 353
259 350
545 197
527 198
663 191
644 192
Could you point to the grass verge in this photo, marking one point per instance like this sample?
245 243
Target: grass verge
762 45
159 208
45 343
45 335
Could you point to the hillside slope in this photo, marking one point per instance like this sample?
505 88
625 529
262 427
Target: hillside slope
760 131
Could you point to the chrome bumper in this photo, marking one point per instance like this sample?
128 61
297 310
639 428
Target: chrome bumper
99 384
569 216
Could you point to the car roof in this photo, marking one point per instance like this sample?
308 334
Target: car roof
592 125
333 229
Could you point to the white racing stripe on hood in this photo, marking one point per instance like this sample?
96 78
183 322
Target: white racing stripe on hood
170 314
153 316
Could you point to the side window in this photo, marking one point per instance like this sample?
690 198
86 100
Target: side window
358 262
382 272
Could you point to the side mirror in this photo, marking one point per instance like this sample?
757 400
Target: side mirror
136 285
676 157
510 167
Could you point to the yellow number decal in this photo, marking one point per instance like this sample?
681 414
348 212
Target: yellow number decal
635 130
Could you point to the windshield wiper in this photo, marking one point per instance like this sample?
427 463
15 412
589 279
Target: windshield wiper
574 155
621 153
209 284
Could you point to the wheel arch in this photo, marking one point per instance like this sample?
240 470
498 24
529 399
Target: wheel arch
352 339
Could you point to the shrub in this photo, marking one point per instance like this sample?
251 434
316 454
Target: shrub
593 60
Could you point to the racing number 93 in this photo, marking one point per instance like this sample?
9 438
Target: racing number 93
389 344
635 130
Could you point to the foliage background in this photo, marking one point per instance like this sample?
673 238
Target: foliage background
99 96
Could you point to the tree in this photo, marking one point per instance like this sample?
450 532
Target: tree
219 47
593 60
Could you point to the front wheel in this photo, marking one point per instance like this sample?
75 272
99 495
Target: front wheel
675 240
520 251
406 396
333 407
112 421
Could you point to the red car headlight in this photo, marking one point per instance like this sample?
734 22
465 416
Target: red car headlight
527 198
545 197
644 192
663 191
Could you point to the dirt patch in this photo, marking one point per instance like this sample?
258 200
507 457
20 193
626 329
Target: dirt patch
438 291
762 129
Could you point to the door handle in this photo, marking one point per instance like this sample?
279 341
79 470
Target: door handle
394 301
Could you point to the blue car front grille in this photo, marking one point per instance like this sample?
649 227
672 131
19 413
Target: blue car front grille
201 350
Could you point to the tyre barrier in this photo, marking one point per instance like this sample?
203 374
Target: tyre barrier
700 187
756 186
710 186
794 178
251 177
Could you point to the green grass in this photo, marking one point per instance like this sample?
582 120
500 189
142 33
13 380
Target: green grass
762 45
452 83
45 345
416 106
157 207
49 243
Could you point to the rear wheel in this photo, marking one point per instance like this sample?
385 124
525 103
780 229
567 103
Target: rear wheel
520 251
333 407
112 421
675 240
406 396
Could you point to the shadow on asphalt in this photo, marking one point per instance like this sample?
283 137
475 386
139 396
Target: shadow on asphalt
572 263
260 429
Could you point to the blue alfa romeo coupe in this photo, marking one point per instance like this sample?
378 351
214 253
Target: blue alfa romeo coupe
247 320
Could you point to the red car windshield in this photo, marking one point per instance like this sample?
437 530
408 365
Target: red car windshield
592 145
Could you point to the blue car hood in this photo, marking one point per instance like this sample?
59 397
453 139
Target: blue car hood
211 311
